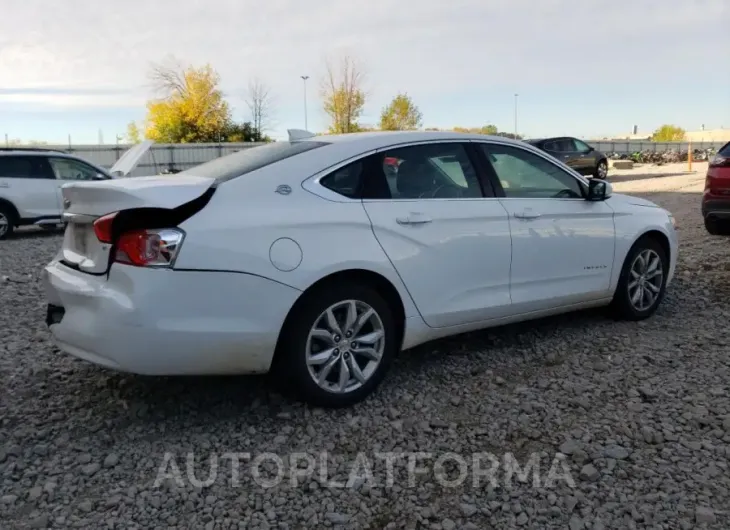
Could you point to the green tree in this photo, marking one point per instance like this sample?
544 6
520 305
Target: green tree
401 114
668 133
134 135
343 96
509 135
192 108
486 129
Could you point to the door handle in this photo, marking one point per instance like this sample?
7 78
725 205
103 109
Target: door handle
413 219
527 214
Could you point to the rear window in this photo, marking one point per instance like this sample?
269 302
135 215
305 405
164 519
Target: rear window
724 150
250 159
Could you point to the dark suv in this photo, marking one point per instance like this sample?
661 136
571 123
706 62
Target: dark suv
576 154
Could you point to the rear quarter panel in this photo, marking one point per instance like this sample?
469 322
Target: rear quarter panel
314 237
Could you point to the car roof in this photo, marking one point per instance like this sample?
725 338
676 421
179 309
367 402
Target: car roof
381 139
32 151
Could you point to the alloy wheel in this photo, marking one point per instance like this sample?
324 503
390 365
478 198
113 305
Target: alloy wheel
345 346
646 276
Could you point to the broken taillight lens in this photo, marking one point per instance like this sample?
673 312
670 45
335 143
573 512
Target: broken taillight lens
149 248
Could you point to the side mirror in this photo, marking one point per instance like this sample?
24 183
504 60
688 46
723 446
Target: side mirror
599 190
591 149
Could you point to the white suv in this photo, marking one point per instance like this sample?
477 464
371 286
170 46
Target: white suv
31 180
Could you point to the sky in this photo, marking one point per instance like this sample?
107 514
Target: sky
586 68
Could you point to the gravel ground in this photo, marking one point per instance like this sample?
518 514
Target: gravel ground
640 411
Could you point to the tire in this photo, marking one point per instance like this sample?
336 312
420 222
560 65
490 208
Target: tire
717 227
601 170
7 221
291 369
622 306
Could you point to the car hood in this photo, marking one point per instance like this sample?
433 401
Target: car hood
633 201
129 159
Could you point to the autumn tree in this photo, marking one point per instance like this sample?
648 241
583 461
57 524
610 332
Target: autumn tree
134 135
192 107
668 133
260 103
343 95
401 114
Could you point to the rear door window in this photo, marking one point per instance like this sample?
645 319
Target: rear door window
24 167
250 159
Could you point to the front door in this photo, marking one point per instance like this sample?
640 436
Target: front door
562 244
447 238
586 156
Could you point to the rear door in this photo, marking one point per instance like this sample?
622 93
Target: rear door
27 181
445 233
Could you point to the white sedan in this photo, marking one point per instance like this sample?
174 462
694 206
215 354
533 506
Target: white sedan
309 259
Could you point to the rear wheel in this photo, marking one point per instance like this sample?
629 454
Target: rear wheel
717 227
642 282
7 221
601 170
337 345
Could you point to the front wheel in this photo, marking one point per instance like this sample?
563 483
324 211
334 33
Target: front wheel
337 345
642 282
601 171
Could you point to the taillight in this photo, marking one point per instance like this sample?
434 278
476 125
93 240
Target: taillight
149 248
103 227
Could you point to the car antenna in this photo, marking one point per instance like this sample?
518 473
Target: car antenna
299 134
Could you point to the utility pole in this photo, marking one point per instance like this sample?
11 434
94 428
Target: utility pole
516 95
304 78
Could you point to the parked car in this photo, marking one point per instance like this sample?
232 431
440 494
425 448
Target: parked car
300 259
31 180
575 153
716 198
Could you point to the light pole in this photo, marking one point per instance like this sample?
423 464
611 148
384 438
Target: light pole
304 78
516 95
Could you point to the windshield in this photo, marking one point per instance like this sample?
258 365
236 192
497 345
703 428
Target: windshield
250 159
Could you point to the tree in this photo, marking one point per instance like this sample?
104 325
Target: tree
509 135
401 114
192 108
343 96
668 133
486 129
133 136
260 103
